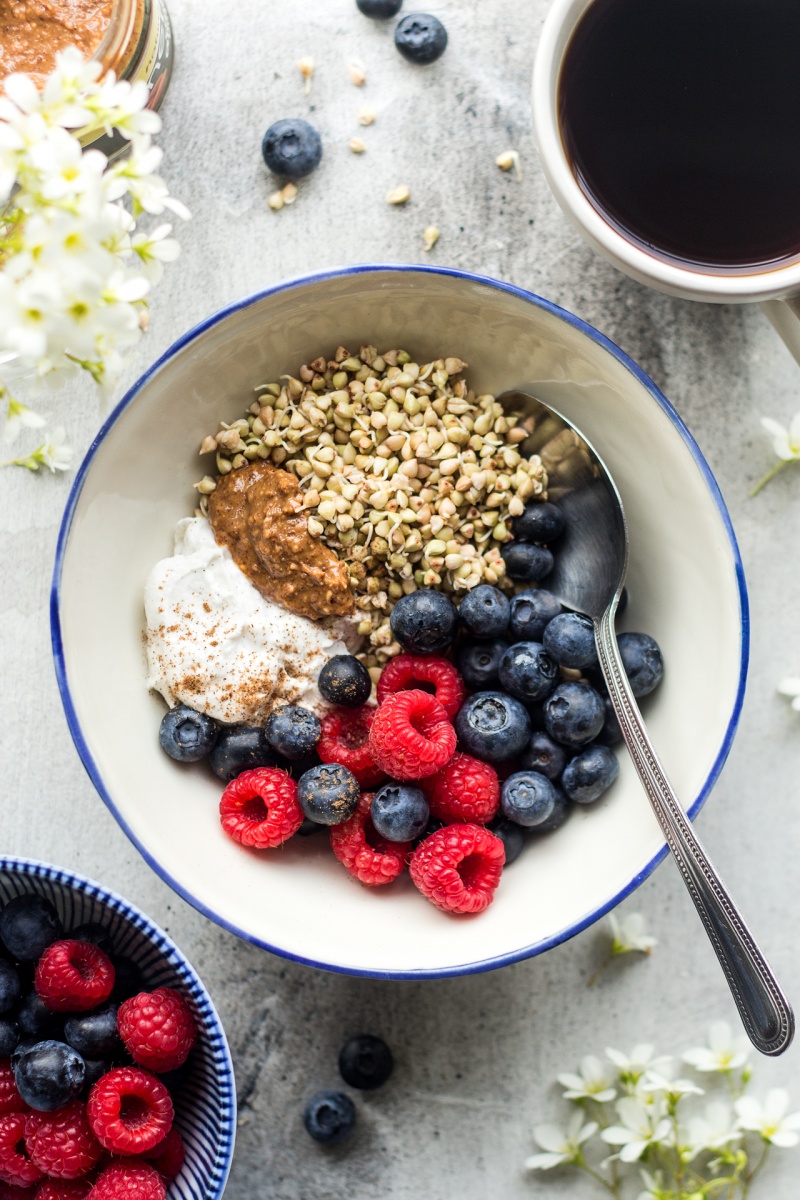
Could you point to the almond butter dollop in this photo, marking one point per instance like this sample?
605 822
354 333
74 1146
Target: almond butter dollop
33 31
257 512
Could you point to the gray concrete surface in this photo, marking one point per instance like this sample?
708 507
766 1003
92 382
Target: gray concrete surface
476 1056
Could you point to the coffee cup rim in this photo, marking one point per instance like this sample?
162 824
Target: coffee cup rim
634 260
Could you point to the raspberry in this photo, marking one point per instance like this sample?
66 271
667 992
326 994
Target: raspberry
61 1189
345 740
10 1099
74 976
10 1191
259 808
411 736
167 1157
129 1181
158 1029
15 1166
458 868
61 1143
465 789
406 671
367 856
130 1111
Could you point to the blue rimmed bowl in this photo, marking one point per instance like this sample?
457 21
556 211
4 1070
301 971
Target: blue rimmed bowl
205 1103
685 582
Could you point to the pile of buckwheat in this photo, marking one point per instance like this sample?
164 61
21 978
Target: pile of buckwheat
409 477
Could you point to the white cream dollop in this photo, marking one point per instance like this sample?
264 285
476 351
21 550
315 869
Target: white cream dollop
215 643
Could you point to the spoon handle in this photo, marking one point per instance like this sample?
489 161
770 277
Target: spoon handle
766 1013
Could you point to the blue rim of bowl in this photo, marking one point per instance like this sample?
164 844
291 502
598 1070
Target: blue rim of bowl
209 1016
600 339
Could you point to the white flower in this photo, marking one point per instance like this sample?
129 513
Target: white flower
791 687
18 416
592 1083
56 455
154 250
640 1127
671 1089
714 1131
632 1066
560 1147
630 933
785 442
768 1119
653 1188
725 1052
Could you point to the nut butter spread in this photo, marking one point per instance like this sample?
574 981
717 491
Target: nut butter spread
33 31
257 512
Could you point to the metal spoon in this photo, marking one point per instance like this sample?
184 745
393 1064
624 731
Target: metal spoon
588 576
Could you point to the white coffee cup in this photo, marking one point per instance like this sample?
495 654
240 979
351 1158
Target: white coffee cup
776 289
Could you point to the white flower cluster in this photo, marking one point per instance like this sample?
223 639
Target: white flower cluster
74 271
635 1104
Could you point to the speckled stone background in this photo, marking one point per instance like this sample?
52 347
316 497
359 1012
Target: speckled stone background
476 1057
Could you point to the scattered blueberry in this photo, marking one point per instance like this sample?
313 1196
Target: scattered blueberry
544 755
526 562
97 934
28 925
380 10
328 794
240 748
569 639
292 148
10 986
528 798
329 1116
512 837
344 680
484 612
527 671
292 731
9 1036
186 735
531 612
479 663
420 38
493 726
540 522
49 1075
94 1034
642 660
589 774
610 734
424 622
365 1062
399 812
127 979
35 1019
574 714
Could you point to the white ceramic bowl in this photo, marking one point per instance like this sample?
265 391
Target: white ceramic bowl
685 582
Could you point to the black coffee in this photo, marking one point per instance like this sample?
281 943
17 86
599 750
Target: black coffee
681 119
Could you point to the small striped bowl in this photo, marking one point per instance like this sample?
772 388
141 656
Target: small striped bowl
205 1105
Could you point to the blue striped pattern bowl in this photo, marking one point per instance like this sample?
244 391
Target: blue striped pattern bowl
205 1104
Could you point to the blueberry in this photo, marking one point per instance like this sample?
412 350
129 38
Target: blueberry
35 1019
528 798
479 663
527 671
97 934
544 755
329 1116
308 827
569 639
424 622
589 774
399 812
484 612
298 766
380 10
344 680
493 726
365 1062
420 38
95 1069
10 986
127 979
574 714
49 1075
328 794
292 148
174 1080
531 611
561 810
9 1036
541 522
240 748
28 925
512 837
610 734
186 735
526 562
94 1034
641 657
292 731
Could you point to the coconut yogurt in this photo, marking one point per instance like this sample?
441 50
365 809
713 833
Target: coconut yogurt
215 643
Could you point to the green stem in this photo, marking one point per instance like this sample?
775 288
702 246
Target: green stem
748 1179
770 475
593 978
613 1188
